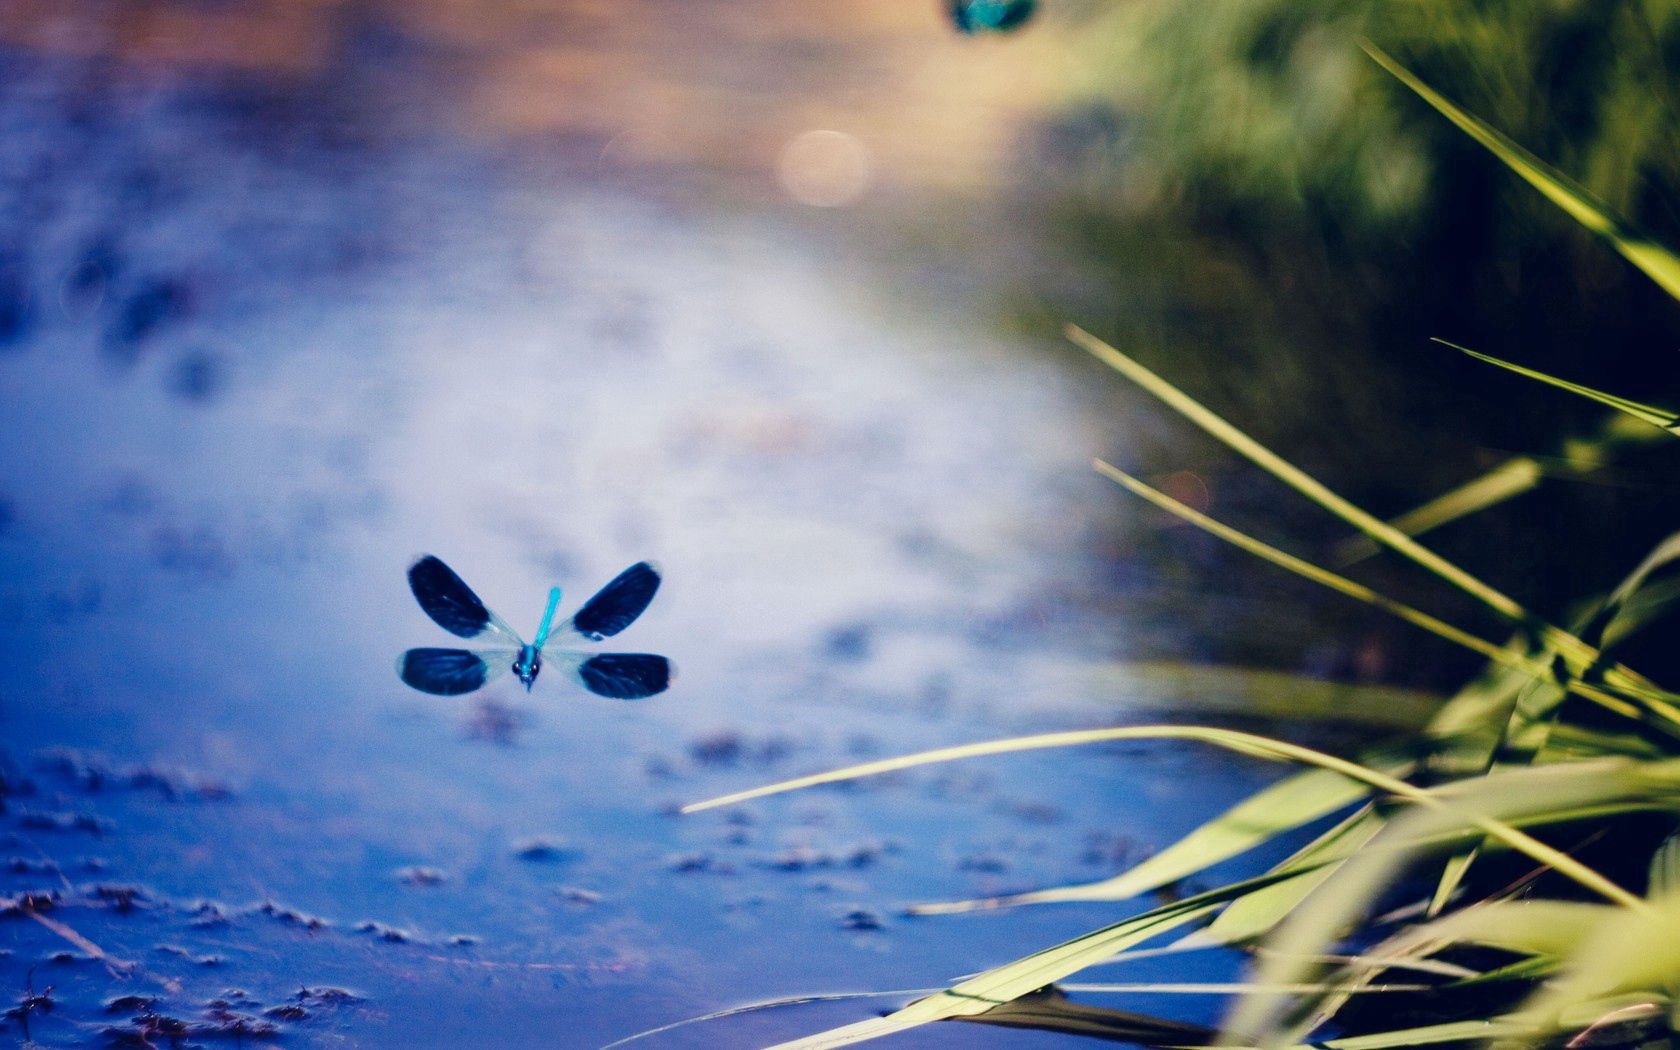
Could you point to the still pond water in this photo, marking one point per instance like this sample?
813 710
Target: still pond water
251 365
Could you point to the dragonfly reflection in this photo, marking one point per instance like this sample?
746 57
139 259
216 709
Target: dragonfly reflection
453 606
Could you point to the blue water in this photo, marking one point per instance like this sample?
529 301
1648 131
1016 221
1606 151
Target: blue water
257 355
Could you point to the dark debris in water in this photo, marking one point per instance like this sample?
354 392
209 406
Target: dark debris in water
496 721
544 849
128 1004
697 862
92 774
388 934
153 308
420 876
729 748
44 820
291 916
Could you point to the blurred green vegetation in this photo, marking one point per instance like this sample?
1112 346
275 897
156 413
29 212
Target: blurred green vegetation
1277 222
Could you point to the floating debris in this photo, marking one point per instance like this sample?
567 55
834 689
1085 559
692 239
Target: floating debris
124 1004
29 866
206 915
985 863
578 895
545 850
40 820
32 901
122 899
291 916
327 996
388 934
153 308
420 876
861 919
690 863
801 858
850 644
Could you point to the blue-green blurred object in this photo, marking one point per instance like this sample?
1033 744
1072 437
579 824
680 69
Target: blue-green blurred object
990 16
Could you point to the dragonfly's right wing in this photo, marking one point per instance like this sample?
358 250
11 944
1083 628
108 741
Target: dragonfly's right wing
616 606
453 606
624 676
451 672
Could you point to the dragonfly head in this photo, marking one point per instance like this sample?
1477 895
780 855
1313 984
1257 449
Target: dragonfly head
527 666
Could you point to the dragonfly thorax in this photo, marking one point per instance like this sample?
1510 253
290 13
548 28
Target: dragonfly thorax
527 664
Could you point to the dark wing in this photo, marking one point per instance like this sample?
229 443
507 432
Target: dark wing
451 672
617 605
452 605
626 676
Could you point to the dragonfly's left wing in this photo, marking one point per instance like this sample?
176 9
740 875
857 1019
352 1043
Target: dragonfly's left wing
453 606
451 672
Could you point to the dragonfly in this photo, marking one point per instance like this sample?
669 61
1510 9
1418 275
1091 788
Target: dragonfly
452 605
990 16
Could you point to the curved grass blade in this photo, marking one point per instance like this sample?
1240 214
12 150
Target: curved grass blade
1663 555
1013 980
1296 800
1254 915
1508 480
1257 1019
1430 1035
1661 418
1658 262
1580 656
768 1004
1528 729
1623 953
1230 739
1579 459
1050 1010
1537 670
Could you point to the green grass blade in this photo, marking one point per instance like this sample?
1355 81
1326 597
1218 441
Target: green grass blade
1577 653
1230 739
1296 800
1458 865
1622 953
1661 418
1658 263
995 987
1665 868
1294 477
1538 671
1551 928
1663 555
1428 1035
1050 1010
1502 797
1255 914
1508 480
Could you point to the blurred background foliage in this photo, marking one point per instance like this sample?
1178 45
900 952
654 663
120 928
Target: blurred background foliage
1281 227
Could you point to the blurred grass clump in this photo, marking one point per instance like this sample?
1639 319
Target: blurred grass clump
1283 227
